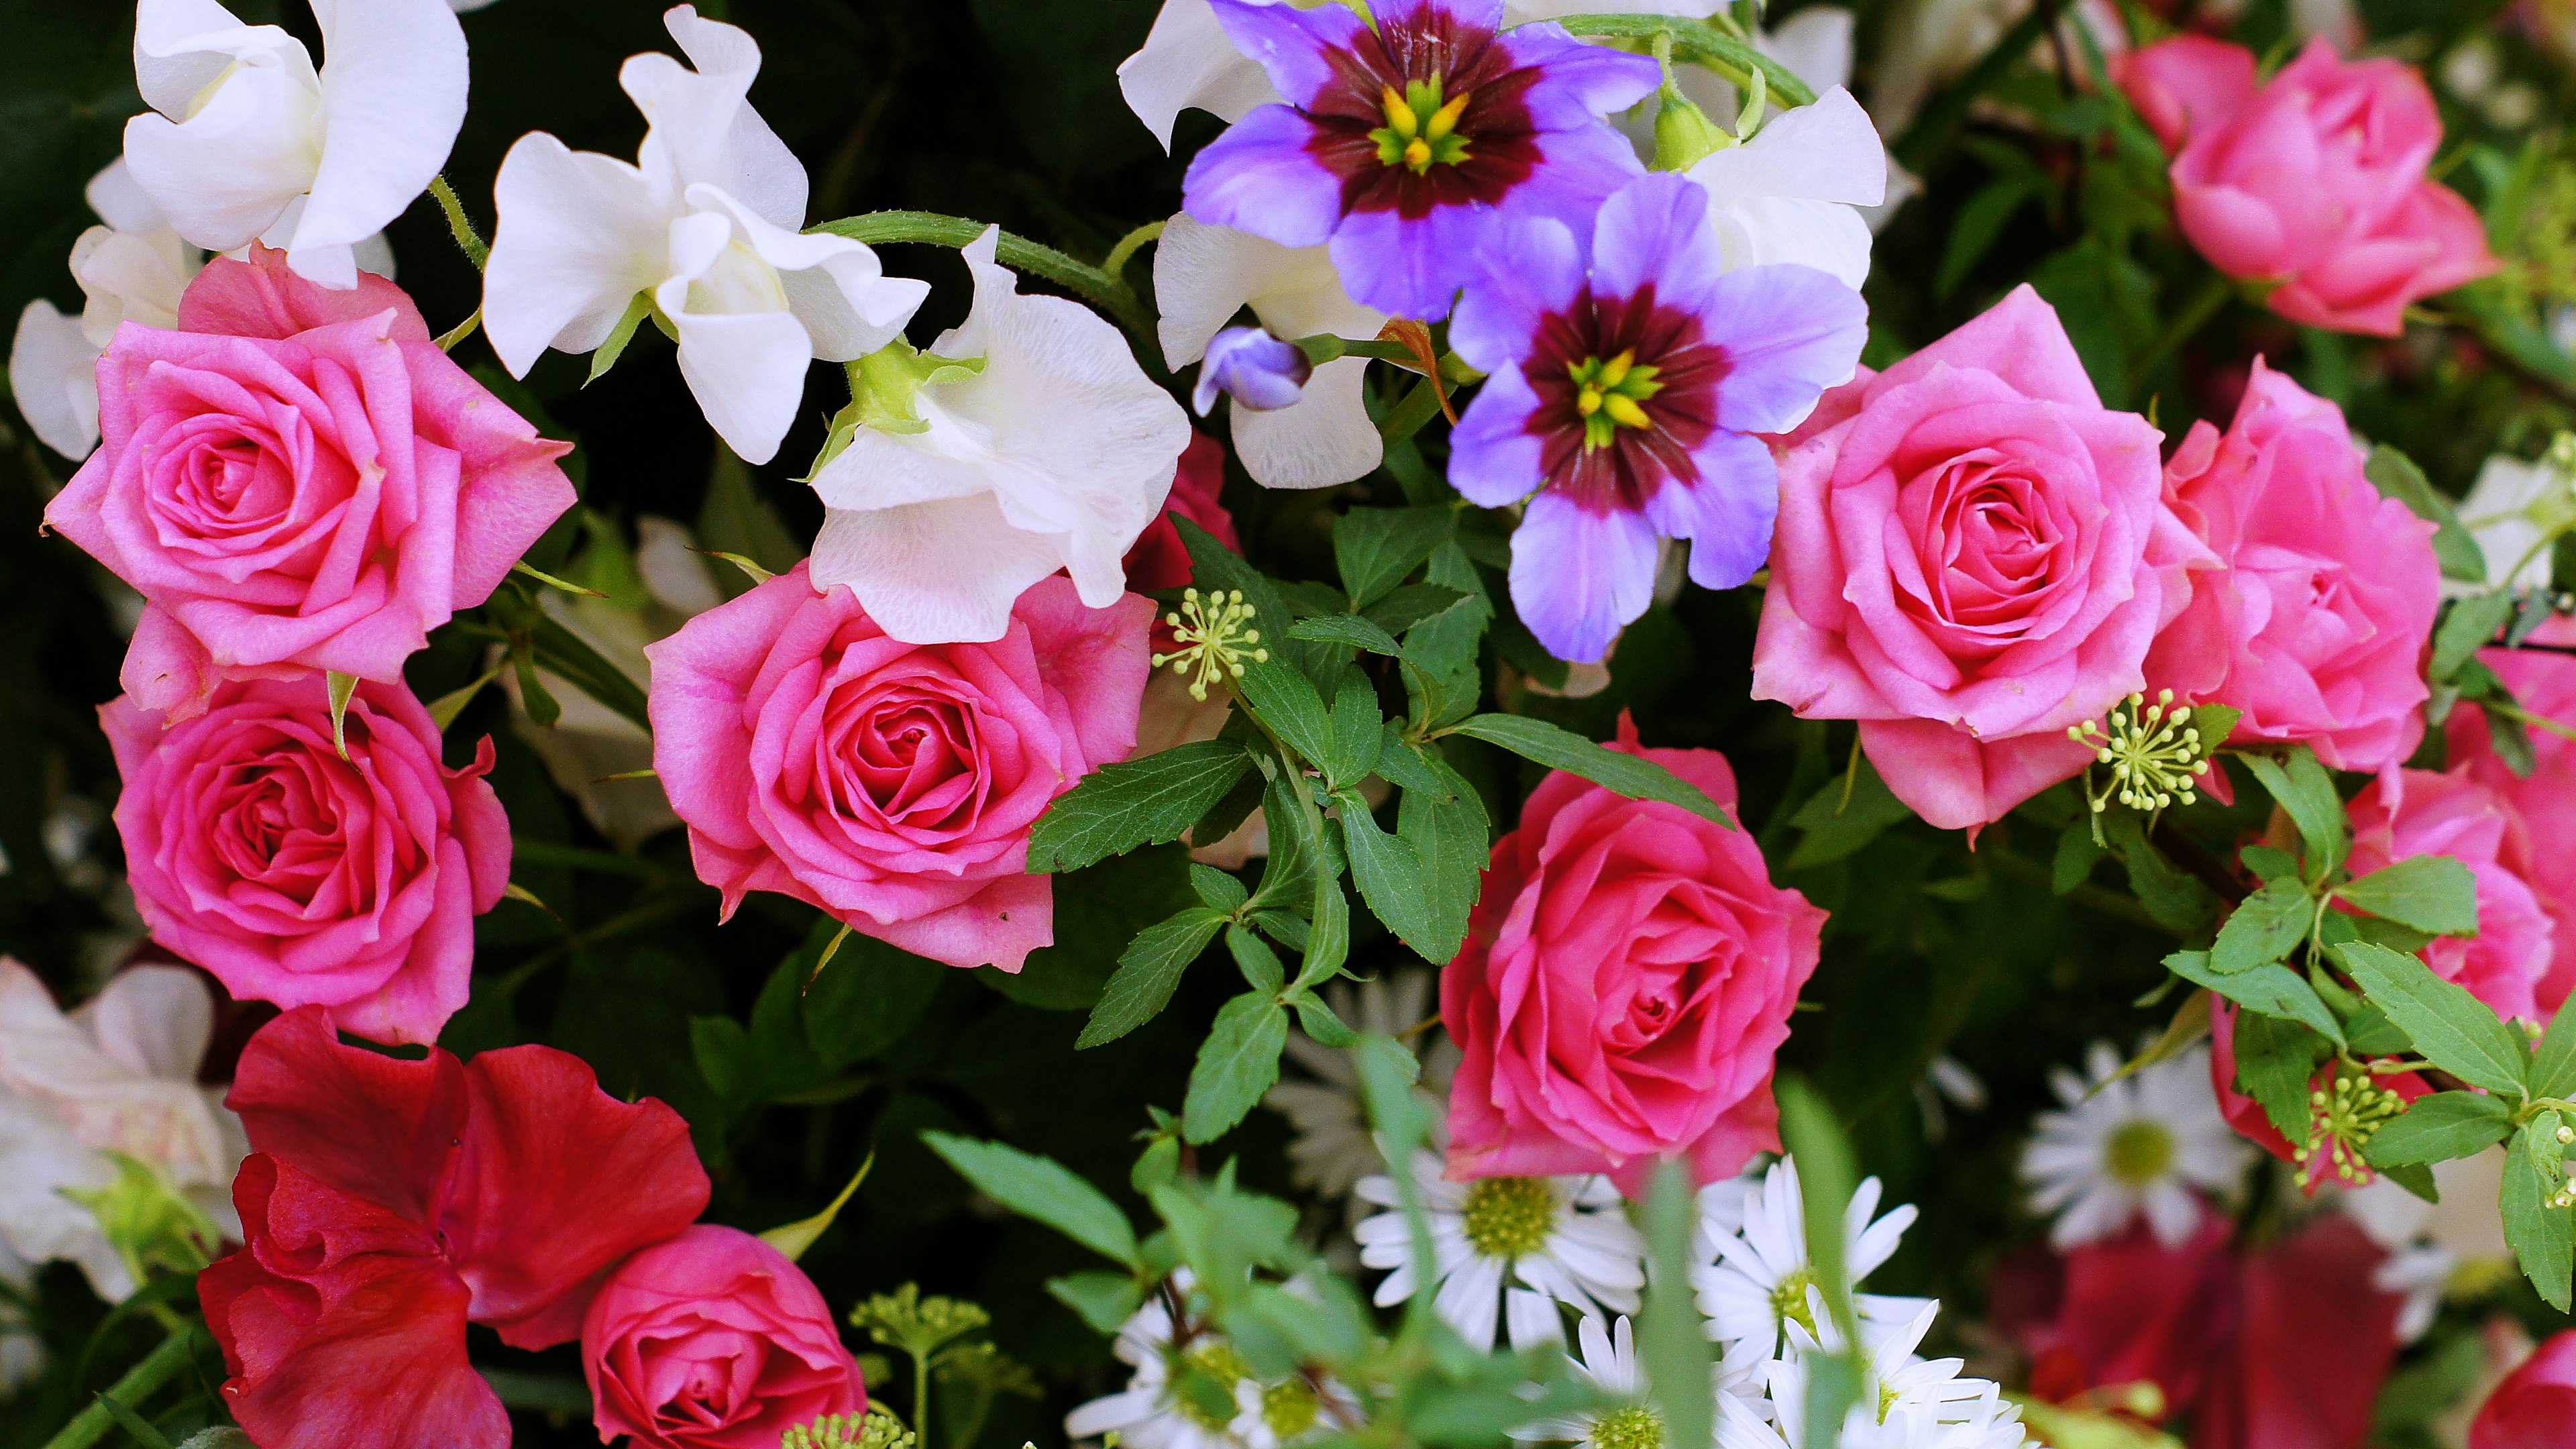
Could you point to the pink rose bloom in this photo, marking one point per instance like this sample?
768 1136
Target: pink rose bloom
714 1340
2315 620
1628 975
298 479
2546 801
2536 1404
891 784
1972 556
2314 180
302 878
2407 813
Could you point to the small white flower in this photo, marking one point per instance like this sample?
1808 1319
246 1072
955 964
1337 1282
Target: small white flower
119 1074
1608 1359
1149 1414
2511 507
1203 275
2149 1142
1050 450
705 226
134 268
1759 1285
1905 1402
247 142
1507 1250
1793 193
1334 1147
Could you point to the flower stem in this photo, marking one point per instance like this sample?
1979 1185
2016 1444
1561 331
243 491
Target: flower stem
1093 284
2195 314
1418 407
458 224
1130 244
139 1383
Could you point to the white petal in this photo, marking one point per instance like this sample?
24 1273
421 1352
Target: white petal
701 126
1204 274
120 202
1824 152
934 572
247 146
1471 1300
53 375
130 277
578 235
746 369
1816 46
153 1021
183 46
1188 62
1531 1319
834 285
393 96
1323 438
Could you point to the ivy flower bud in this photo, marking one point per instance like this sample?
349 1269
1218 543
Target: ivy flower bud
1257 370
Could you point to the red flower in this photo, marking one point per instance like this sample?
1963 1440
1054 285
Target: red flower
389 1202
2533 1407
1158 559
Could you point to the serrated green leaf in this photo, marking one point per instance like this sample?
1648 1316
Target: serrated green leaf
2454 547
2171 895
2542 1236
2432 893
1260 965
1412 604
1348 629
2553 1063
1104 1300
2077 850
1136 802
1358 731
2307 792
1148 971
1043 1189
2275 1060
1286 701
2369 1033
1631 775
2265 927
1320 1022
2469 626
1218 890
1236 1064
1376 547
2453 1029
2269 865
2271 989
2440 1127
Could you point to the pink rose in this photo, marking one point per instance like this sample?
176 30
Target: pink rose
1971 557
2546 800
300 877
891 784
2314 180
2535 1405
1628 974
714 1340
2406 813
298 479
2315 619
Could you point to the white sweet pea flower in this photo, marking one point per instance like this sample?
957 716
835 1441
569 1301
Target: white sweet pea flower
1203 275
1025 441
1793 192
247 142
132 269
2512 510
119 1075
703 230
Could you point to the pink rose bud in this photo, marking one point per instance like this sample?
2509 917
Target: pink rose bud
714 1340
2407 813
2314 180
2544 800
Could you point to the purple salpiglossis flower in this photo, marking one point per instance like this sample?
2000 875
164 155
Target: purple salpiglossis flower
1410 147
1625 386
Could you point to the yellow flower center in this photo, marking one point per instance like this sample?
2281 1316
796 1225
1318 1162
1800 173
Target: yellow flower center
1634 1427
1610 395
2138 1152
1510 1217
1789 1300
1289 1408
1210 1362
1421 128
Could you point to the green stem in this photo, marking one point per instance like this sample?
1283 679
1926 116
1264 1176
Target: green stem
458 225
1932 129
1696 42
2195 314
921 1399
1115 264
1407 417
139 1383
1093 284
447 341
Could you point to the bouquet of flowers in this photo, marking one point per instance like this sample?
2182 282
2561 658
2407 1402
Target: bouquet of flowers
1858 732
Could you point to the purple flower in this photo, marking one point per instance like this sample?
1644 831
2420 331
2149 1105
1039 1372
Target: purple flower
1257 370
1410 147
1624 392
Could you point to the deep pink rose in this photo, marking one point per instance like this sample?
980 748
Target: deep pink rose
298 479
714 1340
891 784
2314 180
2407 813
1972 557
300 877
2535 1407
1628 974
2314 621
2544 684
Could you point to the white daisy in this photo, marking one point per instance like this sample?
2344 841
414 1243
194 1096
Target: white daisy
1150 1413
1507 1247
1759 1284
2139 1143
1607 1358
1905 1402
1333 1148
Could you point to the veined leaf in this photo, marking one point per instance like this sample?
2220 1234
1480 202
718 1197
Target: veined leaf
2453 1029
2432 893
1137 802
2440 1127
1631 775
1041 1188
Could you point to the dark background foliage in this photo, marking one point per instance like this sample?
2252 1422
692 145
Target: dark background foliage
1008 111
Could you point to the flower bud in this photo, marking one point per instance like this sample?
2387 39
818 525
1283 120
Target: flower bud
1257 370
1684 135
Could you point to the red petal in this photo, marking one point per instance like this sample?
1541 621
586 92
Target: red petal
341 1325
2312 1347
557 1183
365 1123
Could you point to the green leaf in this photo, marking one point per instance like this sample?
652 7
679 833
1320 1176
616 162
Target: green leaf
2468 627
1814 1140
1138 802
1260 965
1218 890
1441 670
614 346
2440 1127
2269 865
792 1239
867 999
2077 851
1320 1022
2171 895
2274 1061
1670 1344
2272 989
2369 1033
2416 1178
1148 970
341 687
2432 893
1358 731
1236 1064
2307 792
1104 1300
1376 547
2454 1030
2553 1064
1414 603
1348 629
1040 1188
564 654
1389 876
2543 1237
1847 814
1631 775
1286 701
2264 928
2396 476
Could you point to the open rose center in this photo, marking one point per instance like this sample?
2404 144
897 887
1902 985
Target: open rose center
903 756
1995 551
